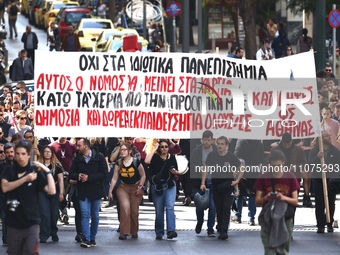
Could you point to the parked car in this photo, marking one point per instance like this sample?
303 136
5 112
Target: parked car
115 44
91 28
25 7
39 14
53 8
106 33
34 7
70 15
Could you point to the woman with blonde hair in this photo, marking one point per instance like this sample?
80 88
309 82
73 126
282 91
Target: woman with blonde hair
49 204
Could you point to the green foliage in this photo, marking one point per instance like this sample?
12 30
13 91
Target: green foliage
265 9
204 2
309 6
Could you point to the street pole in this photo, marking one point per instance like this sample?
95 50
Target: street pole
186 23
144 19
334 43
320 23
174 31
200 26
131 13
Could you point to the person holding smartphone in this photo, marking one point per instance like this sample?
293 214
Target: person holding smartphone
271 187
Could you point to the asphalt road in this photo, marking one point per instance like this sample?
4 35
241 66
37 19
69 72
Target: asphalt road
243 239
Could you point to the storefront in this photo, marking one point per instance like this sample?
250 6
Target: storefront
219 24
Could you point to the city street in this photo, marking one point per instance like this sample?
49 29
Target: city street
243 239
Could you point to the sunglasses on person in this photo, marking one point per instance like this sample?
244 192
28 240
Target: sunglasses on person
289 49
22 118
328 70
2 152
164 147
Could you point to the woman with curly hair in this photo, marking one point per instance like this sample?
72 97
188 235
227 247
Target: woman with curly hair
130 190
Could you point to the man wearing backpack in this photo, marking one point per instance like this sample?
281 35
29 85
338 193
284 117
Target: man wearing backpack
12 11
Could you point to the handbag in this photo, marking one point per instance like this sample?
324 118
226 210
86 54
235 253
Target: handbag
158 180
290 211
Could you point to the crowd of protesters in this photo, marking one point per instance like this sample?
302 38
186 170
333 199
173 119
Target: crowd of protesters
84 171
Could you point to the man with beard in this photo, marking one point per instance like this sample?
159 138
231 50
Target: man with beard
65 151
89 169
296 159
331 154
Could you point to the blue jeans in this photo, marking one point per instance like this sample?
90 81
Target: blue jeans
211 212
251 207
166 200
49 212
89 209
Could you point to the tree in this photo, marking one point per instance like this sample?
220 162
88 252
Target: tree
308 6
246 10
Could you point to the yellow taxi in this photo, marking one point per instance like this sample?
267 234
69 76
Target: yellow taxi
53 8
115 44
39 14
89 30
106 33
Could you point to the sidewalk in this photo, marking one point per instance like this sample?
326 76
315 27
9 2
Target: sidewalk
243 239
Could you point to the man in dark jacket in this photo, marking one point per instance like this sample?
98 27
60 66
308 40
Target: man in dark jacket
331 154
198 158
22 67
89 169
70 41
30 41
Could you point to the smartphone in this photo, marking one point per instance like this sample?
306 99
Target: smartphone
274 194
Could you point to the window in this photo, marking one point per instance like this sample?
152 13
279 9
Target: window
99 25
220 24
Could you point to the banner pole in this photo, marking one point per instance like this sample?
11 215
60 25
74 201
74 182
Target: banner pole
324 182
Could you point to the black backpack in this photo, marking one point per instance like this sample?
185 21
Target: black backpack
14 10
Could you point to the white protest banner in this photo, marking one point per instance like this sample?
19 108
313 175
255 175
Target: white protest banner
174 95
